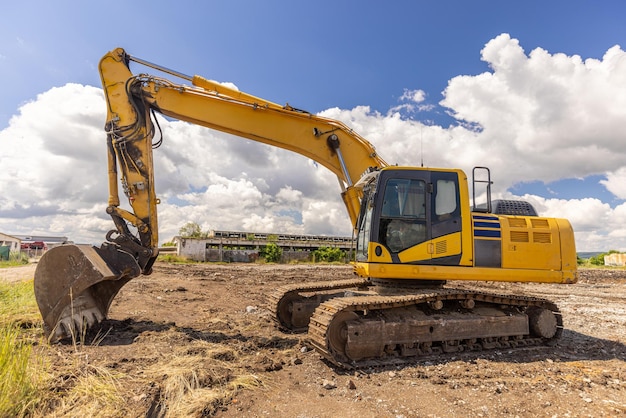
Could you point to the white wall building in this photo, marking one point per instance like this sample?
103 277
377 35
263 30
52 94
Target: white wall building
615 259
10 241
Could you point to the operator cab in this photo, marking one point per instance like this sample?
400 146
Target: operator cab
403 209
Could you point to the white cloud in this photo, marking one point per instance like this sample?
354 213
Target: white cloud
547 116
53 179
587 214
287 194
412 102
616 182
416 96
542 117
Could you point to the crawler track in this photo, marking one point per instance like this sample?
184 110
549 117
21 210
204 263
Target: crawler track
291 310
363 331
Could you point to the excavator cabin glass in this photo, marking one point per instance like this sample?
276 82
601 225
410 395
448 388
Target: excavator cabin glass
407 207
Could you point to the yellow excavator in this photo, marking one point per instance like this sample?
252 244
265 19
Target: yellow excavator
416 230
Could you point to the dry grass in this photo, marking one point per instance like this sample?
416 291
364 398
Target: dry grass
39 380
199 384
88 391
197 379
28 384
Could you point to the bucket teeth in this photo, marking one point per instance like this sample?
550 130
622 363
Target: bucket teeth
75 325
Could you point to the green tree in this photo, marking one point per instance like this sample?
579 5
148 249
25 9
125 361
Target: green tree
191 230
272 253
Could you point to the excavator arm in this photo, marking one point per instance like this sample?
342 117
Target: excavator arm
132 101
90 277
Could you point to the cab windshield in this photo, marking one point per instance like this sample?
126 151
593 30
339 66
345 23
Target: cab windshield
403 214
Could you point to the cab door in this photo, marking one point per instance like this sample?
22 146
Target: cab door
446 225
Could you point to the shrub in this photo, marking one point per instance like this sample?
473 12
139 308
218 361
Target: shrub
329 254
272 253
598 260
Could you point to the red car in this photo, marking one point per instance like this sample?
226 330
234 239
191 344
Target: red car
37 245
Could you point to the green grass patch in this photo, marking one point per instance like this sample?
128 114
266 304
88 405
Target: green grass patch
175 259
17 383
15 259
18 304
19 377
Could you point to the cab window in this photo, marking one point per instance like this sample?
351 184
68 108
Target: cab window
446 197
403 214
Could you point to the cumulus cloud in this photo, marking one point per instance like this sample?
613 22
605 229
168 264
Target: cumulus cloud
53 179
547 116
615 182
535 116
416 96
412 102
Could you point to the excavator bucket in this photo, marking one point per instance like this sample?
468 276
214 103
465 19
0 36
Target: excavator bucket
75 285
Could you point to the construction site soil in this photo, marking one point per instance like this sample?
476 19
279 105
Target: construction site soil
197 340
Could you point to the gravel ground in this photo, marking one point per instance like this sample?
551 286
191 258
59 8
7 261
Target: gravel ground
207 323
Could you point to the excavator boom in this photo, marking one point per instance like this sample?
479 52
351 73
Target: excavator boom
90 277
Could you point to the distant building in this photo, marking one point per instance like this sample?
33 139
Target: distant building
235 246
41 241
14 243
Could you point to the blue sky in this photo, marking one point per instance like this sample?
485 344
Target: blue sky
321 54
333 57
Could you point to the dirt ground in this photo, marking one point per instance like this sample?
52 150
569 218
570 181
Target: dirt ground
196 339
